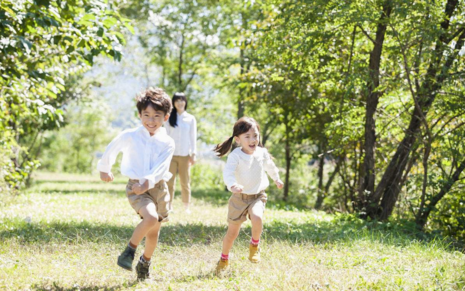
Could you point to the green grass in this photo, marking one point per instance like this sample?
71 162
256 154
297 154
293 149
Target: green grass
67 230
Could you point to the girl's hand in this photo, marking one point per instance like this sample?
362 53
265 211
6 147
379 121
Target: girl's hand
107 177
279 184
140 188
236 188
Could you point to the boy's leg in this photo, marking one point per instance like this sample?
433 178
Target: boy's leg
173 170
151 241
149 221
184 177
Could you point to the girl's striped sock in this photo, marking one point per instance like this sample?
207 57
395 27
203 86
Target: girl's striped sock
224 257
255 242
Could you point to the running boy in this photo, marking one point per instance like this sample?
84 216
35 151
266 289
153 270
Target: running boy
147 152
244 175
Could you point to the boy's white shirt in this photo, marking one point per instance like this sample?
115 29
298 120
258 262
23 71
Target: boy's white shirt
145 157
249 170
184 134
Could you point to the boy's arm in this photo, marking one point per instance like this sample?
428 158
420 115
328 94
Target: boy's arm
109 157
160 167
228 173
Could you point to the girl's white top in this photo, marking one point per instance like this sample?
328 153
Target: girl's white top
145 157
249 170
184 134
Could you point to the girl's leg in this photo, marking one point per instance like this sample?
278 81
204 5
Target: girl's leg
230 237
149 221
256 216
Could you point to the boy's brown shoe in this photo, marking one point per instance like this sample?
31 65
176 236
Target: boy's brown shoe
143 270
126 258
254 253
221 266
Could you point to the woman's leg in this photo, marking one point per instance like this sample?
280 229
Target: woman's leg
173 170
184 177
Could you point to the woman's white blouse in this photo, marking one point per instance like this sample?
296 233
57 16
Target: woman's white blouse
184 134
145 157
249 170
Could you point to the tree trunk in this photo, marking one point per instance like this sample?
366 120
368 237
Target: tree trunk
181 60
321 192
240 101
288 164
422 217
389 187
368 183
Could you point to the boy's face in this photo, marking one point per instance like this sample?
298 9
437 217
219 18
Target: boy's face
152 119
248 140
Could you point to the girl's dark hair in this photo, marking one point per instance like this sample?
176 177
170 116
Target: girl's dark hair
173 120
241 126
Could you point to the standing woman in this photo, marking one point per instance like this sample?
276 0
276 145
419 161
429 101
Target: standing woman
182 127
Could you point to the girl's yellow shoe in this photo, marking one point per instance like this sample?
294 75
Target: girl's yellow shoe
254 253
221 266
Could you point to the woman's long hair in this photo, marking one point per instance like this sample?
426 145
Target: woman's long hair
173 120
241 126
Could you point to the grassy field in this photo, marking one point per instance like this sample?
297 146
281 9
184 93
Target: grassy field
66 232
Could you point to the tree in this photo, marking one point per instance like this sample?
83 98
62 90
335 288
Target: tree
45 42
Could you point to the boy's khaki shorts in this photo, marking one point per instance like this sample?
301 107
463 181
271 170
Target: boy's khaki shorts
158 195
240 205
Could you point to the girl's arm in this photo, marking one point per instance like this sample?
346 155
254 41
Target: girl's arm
229 170
272 170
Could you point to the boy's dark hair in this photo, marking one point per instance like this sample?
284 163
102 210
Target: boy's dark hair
173 120
241 126
155 97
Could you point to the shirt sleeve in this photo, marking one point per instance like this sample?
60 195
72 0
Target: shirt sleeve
270 167
229 170
193 137
111 152
160 166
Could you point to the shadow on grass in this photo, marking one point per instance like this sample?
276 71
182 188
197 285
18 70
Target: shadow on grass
56 286
51 181
76 232
87 191
343 230
212 196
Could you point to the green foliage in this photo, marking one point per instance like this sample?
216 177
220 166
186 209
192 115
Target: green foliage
73 148
43 44
207 175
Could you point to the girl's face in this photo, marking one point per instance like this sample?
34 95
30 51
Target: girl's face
249 140
180 105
